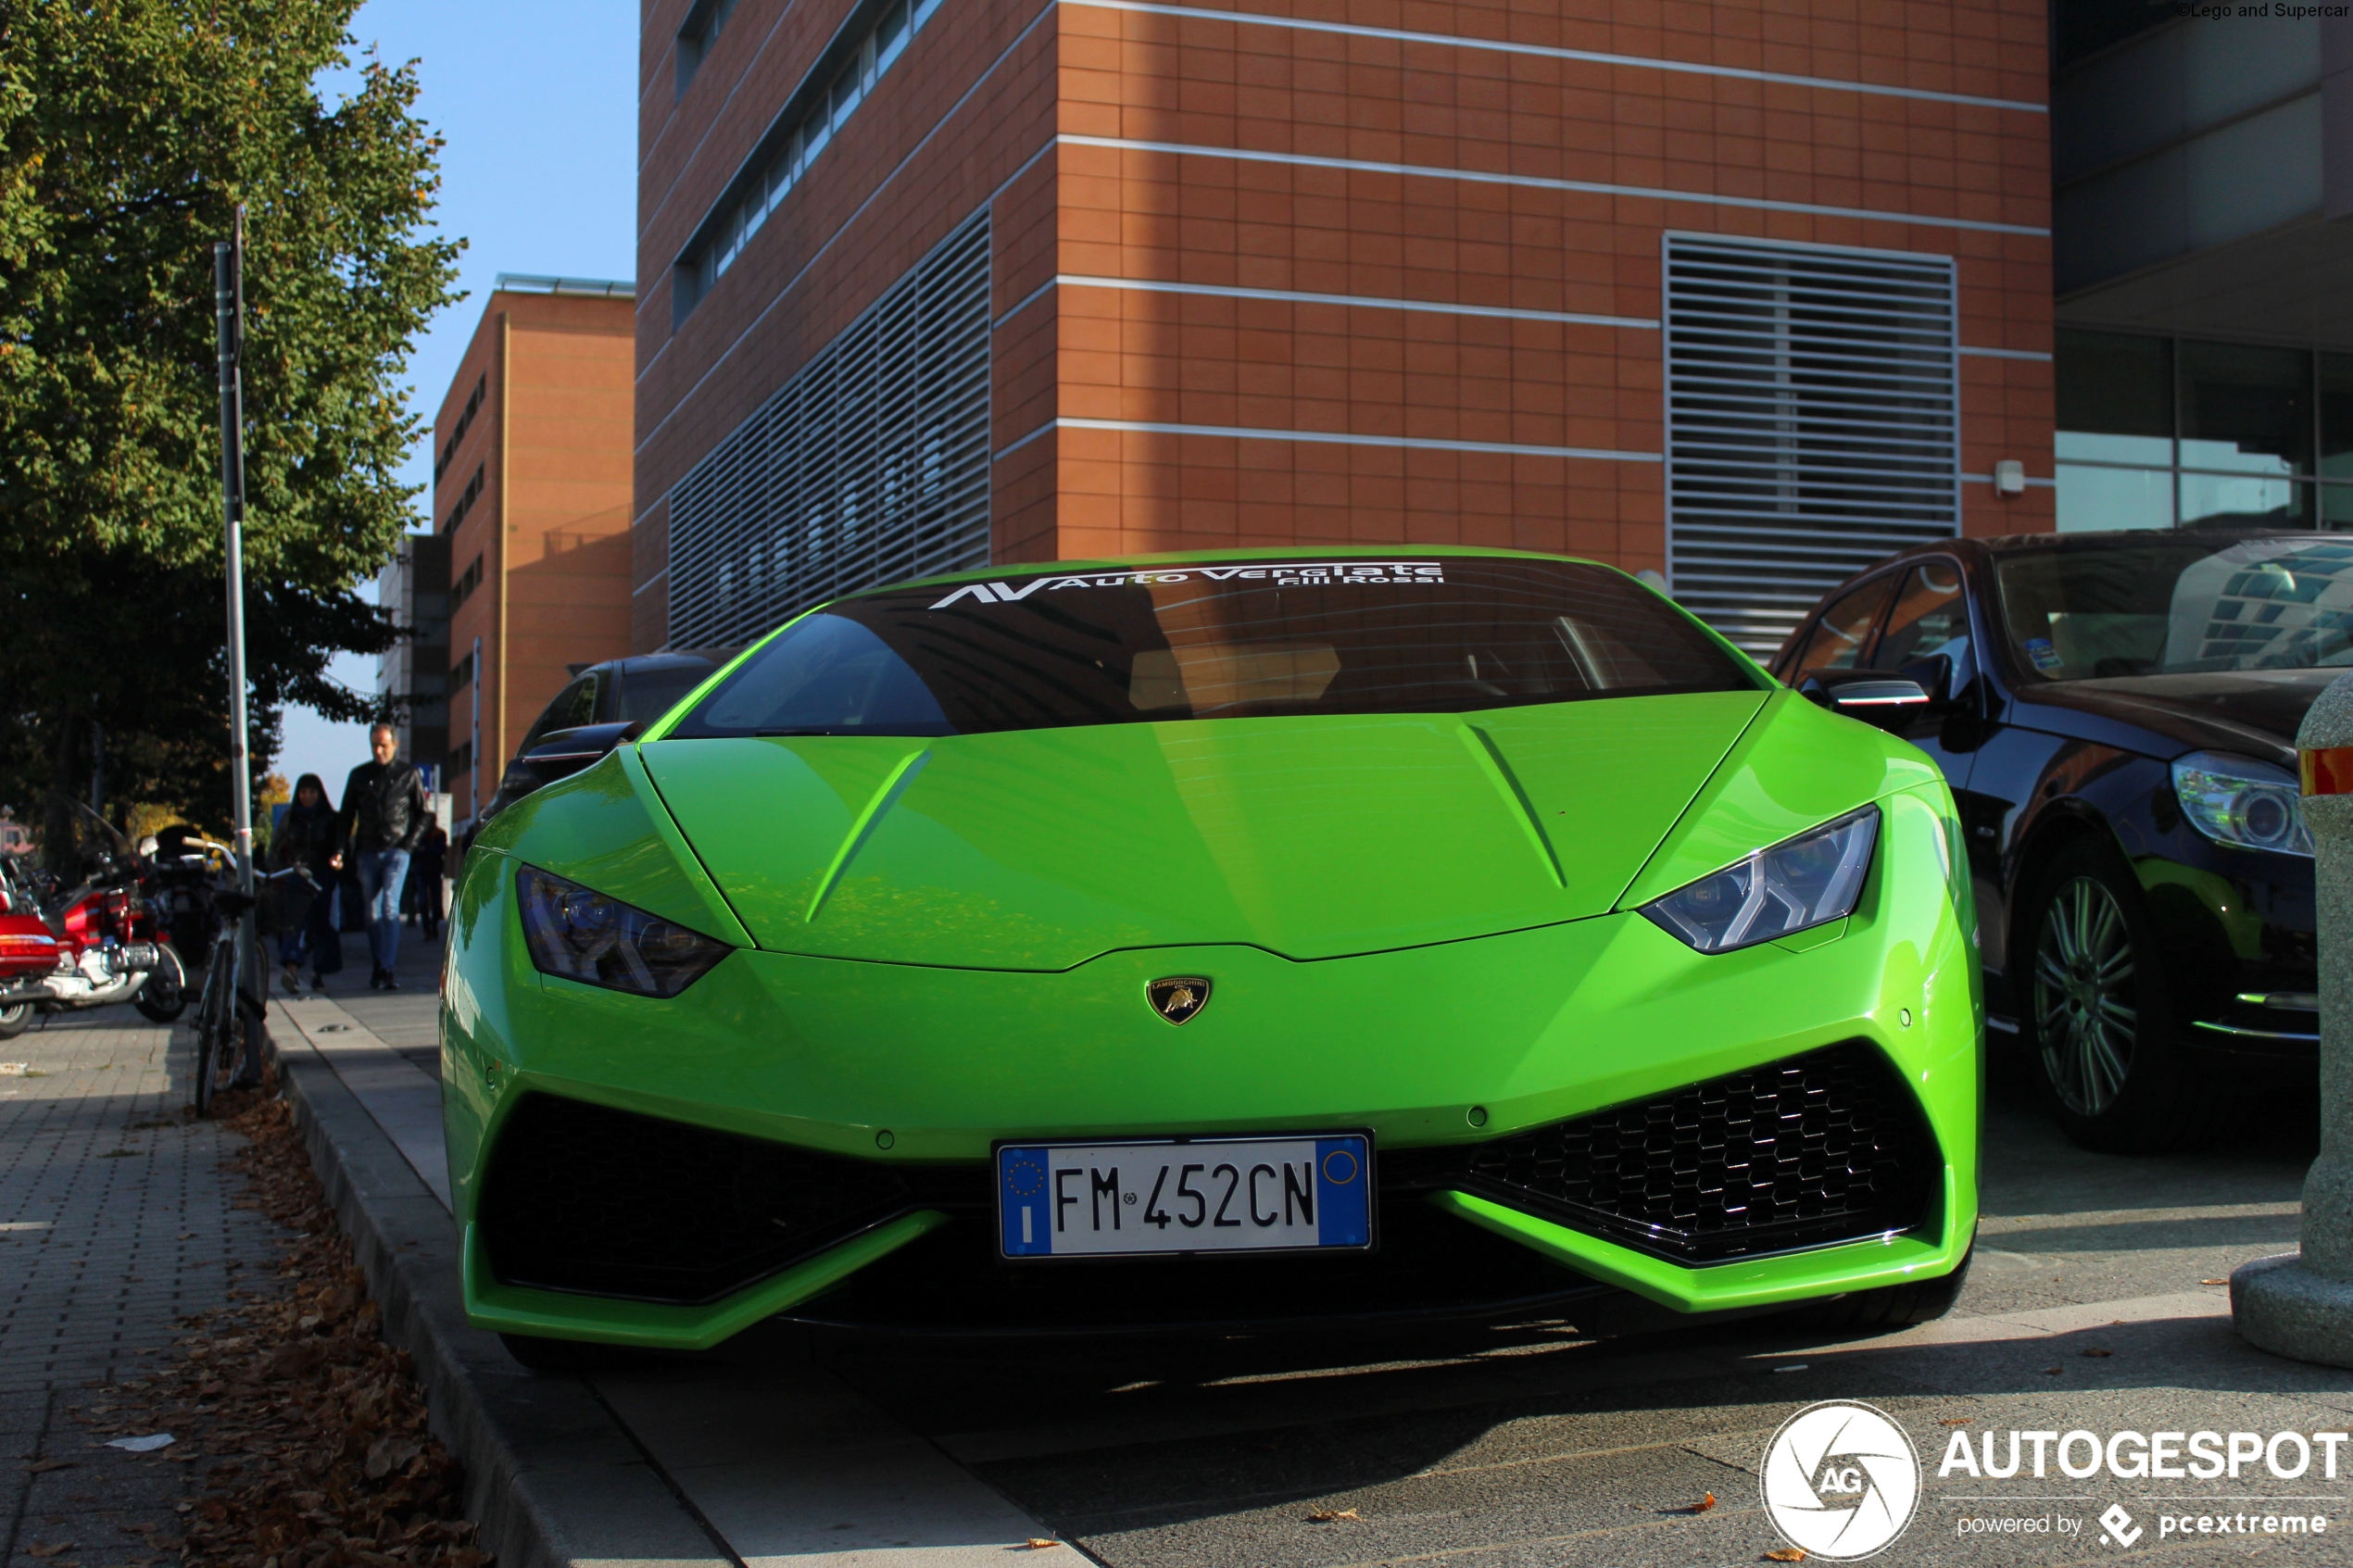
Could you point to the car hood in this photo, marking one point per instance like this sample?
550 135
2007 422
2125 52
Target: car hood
1313 837
2252 712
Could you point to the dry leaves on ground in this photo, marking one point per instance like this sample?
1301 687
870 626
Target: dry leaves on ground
2094 1350
1706 1501
1786 1554
1955 1421
1038 1543
315 1425
1331 1515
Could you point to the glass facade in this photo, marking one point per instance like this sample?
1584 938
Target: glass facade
2158 433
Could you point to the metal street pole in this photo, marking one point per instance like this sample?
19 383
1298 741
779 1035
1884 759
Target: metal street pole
229 305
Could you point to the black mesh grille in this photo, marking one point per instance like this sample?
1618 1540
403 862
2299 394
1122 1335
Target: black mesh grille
1821 1147
580 1198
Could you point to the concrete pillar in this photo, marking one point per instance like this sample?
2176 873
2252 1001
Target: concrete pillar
2301 1304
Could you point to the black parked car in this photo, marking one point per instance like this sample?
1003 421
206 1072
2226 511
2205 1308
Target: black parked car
588 717
2116 714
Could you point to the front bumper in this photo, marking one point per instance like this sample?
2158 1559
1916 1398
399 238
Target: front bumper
1440 1051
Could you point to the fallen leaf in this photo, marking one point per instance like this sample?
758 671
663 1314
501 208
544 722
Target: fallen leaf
2094 1350
1948 1421
42 1466
2214 1282
2051 1370
1330 1515
1706 1501
146 1444
1037 1543
390 1453
1787 1554
39 1550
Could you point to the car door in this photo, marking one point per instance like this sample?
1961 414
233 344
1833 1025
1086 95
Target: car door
1927 637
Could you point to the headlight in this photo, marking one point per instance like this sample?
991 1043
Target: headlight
2239 801
581 935
1796 885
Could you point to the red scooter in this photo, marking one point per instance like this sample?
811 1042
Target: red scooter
94 944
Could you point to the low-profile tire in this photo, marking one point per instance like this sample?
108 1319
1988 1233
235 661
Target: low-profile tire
15 1020
1892 1306
2102 1021
560 1358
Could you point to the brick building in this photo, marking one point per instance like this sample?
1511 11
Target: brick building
1748 293
530 493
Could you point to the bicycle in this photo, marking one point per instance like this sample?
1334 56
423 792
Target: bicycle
228 1017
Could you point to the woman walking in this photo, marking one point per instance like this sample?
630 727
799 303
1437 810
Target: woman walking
310 836
424 878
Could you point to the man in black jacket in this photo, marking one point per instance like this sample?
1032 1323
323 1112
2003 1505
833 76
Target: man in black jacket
386 810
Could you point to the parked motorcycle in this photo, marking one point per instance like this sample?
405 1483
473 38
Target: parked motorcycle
96 943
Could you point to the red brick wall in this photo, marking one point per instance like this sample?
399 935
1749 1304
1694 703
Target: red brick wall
1193 360
552 439
884 193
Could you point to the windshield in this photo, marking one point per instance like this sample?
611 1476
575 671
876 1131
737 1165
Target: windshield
1042 649
2154 606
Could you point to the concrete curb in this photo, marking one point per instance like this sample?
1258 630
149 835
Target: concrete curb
551 1476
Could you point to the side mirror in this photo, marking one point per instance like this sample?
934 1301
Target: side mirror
1885 701
1934 676
564 753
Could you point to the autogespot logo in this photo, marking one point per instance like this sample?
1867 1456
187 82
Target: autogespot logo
1841 1480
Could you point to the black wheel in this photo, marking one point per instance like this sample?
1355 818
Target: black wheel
219 1030
165 996
15 1020
1894 1306
560 1358
2105 1024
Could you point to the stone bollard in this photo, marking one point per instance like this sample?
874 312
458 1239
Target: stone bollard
2301 1304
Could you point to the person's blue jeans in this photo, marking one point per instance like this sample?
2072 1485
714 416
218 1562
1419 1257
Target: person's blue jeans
382 875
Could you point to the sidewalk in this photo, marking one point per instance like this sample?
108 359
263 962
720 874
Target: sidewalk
116 1221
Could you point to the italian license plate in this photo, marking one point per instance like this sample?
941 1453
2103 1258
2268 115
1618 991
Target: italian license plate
1185 1195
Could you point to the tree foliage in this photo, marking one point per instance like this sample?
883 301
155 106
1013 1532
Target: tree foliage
129 131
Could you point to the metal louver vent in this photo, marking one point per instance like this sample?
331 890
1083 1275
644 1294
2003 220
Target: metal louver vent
869 466
1813 422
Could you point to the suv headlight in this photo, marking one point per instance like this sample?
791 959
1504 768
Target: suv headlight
582 934
1798 883
2240 801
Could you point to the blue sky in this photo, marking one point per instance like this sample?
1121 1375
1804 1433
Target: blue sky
537 102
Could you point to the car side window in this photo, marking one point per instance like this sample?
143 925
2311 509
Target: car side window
1931 617
1840 637
556 715
579 706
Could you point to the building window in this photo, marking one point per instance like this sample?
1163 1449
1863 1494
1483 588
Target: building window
461 672
695 38
465 502
1813 422
458 431
2155 433
813 116
869 466
468 581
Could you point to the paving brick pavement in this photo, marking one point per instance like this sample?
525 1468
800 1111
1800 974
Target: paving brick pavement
117 1220
407 1019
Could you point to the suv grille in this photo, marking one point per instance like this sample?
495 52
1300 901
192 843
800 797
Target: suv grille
579 1198
1822 1147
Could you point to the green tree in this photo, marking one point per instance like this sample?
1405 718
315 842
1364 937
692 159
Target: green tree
129 131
